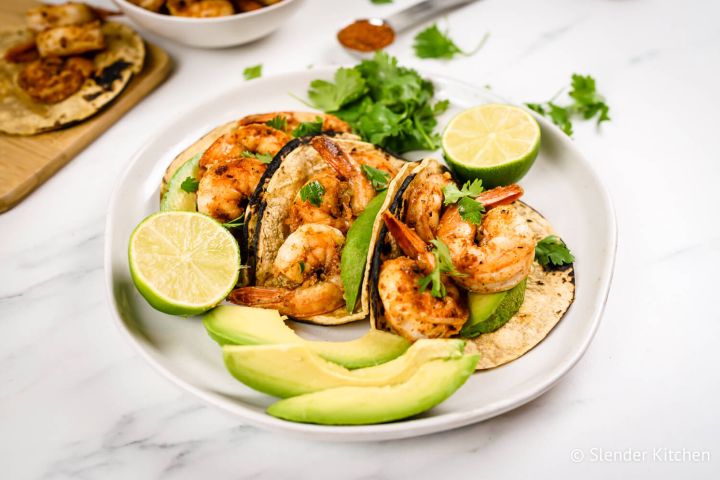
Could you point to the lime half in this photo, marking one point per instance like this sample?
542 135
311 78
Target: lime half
495 143
183 263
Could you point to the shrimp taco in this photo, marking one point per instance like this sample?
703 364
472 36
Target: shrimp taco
298 225
442 266
219 173
63 67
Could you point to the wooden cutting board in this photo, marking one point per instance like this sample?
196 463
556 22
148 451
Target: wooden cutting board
26 162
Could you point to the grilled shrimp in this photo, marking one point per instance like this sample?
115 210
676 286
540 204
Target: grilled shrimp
410 312
294 119
152 5
44 17
425 201
504 254
200 8
52 80
333 210
348 169
228 176
307 272
70 40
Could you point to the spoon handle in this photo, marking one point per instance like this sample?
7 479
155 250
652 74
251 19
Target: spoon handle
415 14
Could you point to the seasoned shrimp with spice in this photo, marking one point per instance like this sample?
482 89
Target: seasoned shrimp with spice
307 275
425 202
232 167
410 310
52 80
200 8
497 254
324 199
70 40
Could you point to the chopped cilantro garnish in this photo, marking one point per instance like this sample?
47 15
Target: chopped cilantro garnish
432 43
190 185
378 178
552 249
278 122
312 192
309 128
586 103
263 157
235 223
443 264
470 209
254 71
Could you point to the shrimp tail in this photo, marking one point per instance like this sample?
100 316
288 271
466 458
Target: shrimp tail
409 242
258 296
334 156
500 195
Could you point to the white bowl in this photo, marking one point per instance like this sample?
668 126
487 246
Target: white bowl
214 32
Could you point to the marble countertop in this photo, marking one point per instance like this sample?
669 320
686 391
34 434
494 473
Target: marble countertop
76 400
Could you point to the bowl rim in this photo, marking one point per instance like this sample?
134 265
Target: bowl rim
196 20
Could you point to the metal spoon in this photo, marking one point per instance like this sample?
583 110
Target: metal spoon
407 18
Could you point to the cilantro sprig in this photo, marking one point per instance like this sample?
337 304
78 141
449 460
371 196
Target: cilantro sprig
470 209
586 103
443 265
386 104
312 192
254 71
235 223
190 185
552 250
378 178
263 157
308 128
278 122
433 43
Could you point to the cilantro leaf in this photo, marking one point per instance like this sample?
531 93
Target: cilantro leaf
235 223
312 192
278 122
560 116
441 107
263 157
378 178
432 43
302 267
254 71
379 2
443 265
552 249
470 189
471 210
190 185
327 96
586 103
308 128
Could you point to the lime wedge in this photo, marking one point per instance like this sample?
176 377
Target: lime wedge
495 143
183 263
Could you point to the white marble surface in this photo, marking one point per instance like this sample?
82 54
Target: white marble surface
76 401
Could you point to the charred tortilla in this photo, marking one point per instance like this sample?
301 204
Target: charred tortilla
114 67
265 227
548 295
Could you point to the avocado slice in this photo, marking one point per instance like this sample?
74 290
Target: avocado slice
488 312
433 382
294 369
237 325
175 198
355 250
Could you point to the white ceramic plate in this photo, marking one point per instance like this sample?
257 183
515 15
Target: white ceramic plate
562 185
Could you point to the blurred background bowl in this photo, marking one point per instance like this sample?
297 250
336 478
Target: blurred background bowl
216 32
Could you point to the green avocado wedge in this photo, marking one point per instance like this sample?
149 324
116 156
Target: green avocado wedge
433 383
237 325
488 312
355 251
288 370
175 198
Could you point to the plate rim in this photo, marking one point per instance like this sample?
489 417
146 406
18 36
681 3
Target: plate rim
385 431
